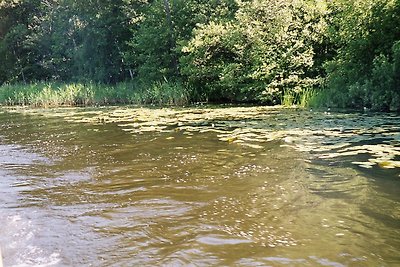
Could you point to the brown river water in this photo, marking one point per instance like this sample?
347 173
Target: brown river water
203 186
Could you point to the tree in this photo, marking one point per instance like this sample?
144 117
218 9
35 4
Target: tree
363 73
162 28
17 60
64 40
268 48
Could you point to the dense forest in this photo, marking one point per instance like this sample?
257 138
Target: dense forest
342 53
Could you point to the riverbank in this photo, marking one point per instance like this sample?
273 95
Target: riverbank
53 94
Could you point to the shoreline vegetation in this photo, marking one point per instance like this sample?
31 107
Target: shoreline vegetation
53 94
341 54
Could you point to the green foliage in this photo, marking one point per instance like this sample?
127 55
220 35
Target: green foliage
343 53
302 99
364 72
72 94
152 51
15 57
63 40
161 93
266 50
213 62
161 28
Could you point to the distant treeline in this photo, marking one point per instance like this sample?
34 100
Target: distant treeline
343 53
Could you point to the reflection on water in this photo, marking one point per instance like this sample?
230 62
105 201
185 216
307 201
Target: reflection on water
204 186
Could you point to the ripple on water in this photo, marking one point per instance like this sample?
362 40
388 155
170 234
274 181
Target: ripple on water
221 240
18 237
224 187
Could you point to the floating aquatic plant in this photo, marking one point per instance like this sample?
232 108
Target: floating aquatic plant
323 135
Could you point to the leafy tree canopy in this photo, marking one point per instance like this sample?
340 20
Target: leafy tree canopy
221 50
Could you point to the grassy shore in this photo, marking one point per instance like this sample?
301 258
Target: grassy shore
52 94
43 94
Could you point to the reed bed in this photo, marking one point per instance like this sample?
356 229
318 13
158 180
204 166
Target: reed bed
44 94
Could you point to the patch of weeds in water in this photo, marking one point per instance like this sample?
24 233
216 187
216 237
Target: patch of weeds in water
328 136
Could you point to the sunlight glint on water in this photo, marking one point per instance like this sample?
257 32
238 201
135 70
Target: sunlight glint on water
223 187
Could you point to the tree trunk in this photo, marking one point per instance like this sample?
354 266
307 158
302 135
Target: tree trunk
167 9
20 66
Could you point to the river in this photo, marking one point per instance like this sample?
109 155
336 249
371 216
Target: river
202 186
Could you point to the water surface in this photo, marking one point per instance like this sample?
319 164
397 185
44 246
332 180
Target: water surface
211 186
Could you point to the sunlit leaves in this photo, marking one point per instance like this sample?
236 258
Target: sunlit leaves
267 49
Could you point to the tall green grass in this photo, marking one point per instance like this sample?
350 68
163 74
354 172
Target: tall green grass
302 98
42 94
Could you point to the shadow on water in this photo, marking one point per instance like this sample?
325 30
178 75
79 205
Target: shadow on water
247 186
